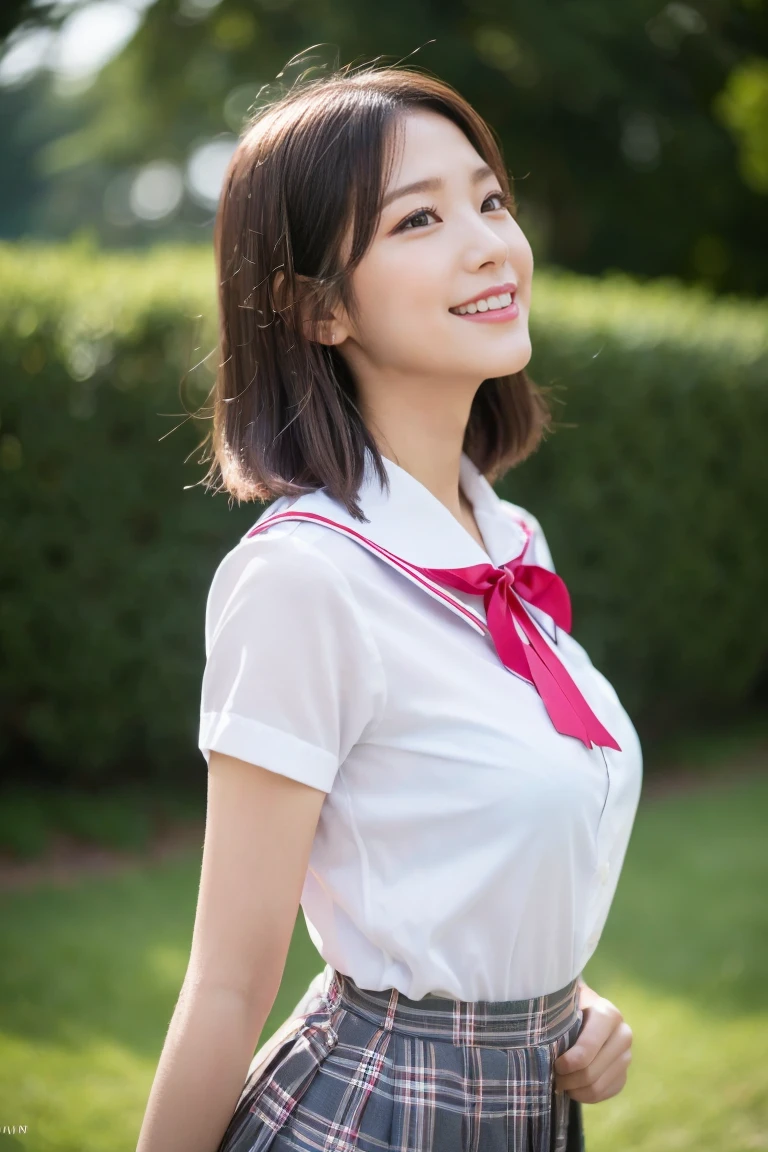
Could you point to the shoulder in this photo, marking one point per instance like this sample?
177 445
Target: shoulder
282 570
280 553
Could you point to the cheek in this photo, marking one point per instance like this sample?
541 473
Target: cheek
398 296
521 256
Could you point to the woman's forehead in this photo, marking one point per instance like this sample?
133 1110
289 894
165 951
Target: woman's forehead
425 144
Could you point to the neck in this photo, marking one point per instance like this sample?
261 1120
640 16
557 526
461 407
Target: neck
424 434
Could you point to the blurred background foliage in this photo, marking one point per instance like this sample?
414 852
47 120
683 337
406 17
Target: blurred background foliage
637 132
651 489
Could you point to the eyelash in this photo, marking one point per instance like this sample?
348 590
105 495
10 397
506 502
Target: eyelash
507 201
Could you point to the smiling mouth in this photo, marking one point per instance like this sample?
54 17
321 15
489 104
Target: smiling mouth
493 302
494 316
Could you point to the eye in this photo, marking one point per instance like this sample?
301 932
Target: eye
506 199
415 216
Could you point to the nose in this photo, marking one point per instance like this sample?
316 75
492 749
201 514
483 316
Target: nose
484 243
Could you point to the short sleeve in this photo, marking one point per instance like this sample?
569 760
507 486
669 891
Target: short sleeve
293 678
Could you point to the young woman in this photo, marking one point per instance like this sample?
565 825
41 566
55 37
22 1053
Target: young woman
401 735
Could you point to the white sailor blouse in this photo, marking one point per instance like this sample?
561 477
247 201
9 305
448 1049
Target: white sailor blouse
482 776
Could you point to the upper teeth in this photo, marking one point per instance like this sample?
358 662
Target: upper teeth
486 304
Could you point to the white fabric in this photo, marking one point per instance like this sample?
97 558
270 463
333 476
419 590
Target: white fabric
464 847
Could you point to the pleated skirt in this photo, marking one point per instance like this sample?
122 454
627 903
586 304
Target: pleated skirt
355 1070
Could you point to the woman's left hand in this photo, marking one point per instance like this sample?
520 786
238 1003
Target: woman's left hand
595 1067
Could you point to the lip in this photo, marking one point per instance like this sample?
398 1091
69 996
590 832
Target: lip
493 316
494 290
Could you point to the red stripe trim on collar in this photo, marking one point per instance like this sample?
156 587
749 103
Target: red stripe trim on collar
396 561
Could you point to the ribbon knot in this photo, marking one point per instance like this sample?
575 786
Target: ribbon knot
531 658
502 590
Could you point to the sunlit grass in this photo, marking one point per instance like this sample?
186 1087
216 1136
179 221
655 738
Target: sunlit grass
90 976
684 957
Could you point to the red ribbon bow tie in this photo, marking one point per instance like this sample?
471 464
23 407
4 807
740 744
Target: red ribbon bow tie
500 588
536 661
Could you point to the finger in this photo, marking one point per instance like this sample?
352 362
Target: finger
595 1089
600 1020
602 1090
616 1050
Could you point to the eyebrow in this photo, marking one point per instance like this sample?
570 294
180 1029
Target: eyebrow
434 184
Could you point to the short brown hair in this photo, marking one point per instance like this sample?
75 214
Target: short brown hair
285 419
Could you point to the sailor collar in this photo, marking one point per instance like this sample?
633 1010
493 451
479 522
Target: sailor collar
412 531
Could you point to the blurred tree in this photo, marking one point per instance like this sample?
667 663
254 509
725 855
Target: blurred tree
635 131
16 12
743 107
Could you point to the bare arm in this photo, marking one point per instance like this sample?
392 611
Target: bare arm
259 831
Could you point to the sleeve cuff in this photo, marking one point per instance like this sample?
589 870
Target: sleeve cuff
258 743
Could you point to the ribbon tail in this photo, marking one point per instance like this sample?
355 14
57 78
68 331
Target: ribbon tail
569 711
511 649
565 719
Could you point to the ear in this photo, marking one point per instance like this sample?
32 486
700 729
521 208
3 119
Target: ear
329 329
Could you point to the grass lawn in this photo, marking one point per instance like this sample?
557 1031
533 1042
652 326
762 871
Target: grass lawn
91 973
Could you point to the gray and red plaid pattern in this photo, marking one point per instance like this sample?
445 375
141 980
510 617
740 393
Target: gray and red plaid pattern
367 1071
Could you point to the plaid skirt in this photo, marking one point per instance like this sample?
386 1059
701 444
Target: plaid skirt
354 1070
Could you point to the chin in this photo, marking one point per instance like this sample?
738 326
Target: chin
509 365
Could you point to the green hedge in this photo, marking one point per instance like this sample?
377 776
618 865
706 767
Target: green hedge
653 492
655 498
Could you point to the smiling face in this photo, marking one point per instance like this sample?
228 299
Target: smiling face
445 237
